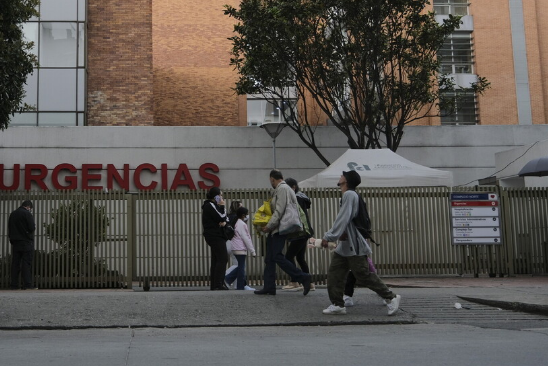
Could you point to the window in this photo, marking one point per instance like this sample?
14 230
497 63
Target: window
453 7
466 110
56 88
261 110
456 54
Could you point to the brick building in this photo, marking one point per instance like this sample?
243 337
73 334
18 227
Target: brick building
166 63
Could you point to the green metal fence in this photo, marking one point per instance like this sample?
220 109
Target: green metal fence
102 240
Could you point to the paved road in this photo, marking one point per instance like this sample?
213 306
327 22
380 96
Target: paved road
409 345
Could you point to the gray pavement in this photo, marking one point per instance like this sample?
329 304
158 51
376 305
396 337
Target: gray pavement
198 307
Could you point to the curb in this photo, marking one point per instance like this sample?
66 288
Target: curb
160 326
509 305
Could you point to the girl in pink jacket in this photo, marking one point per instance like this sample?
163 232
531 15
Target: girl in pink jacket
241 246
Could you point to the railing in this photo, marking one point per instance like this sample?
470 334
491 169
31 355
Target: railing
154 238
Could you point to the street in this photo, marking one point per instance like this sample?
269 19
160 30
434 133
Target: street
416 344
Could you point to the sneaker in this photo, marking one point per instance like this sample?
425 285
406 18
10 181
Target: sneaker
348 301
393 305
334 310
248 288
312 287
293 286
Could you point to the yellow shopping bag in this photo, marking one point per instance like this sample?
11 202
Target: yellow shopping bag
263 215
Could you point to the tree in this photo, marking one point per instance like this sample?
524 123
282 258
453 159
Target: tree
369 66
16 59
78 227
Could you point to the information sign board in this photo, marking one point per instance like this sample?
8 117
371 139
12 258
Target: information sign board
475 218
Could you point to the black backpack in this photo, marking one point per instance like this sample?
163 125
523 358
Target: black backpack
362 220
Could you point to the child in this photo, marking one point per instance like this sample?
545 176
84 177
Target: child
241 244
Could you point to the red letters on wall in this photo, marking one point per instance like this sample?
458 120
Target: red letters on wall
89 177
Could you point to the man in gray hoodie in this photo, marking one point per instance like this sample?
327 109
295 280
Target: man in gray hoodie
283 195
351 252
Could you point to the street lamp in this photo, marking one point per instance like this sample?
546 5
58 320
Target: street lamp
273 129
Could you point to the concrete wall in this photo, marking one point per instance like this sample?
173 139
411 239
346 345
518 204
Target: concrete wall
244 154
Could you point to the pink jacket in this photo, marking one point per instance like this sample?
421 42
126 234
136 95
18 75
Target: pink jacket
241 242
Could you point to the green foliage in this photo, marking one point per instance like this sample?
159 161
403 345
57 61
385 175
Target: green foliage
77 227
16 60
371 65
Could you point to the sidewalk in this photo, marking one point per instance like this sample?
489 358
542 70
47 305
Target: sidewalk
199 307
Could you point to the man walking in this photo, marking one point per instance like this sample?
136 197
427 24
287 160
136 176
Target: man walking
21 229
351 252
283 196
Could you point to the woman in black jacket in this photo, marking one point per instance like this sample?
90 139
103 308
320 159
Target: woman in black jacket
213 220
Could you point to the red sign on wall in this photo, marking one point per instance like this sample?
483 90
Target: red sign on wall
100 177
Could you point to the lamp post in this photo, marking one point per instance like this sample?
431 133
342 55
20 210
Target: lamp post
273 129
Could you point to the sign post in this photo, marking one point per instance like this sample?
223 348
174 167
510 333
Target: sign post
475 218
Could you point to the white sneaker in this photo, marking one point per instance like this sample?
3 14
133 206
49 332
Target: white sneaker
334 310
248 288
393 305
348 301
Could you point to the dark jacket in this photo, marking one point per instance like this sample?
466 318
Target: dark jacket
21 226
212 215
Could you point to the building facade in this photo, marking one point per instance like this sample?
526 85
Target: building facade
164 63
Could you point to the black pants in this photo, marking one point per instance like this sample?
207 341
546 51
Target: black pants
219 258
350 284
297 248
21 262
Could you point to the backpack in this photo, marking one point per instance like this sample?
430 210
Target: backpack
362 220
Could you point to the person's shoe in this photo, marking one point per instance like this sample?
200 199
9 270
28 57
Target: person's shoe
247 288
348 301
312 287
265 292
393 305
306 284
334 310
292 286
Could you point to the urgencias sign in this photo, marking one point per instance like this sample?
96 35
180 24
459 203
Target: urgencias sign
99 177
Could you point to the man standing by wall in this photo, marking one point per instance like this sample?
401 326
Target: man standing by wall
283 196
351 252
21 229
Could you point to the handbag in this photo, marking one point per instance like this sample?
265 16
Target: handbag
228 231
306 231
290 221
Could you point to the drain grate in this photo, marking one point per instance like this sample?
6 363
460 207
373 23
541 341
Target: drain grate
441 310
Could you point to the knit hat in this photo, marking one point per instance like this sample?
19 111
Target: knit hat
353 179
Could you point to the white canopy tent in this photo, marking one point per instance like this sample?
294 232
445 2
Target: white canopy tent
379 168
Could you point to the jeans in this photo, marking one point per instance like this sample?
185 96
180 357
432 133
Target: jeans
338 271
274 246
238 273
21 262
297 248
219 258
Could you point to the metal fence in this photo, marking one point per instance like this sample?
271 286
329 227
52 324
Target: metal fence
103 240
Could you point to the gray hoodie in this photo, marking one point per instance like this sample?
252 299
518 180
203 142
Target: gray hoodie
354 244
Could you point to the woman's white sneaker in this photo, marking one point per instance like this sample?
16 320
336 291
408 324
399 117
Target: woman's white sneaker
393 305
334 310
348 301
